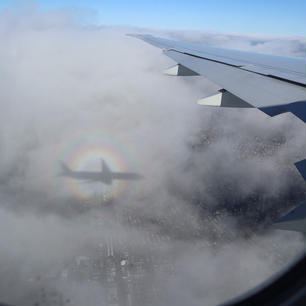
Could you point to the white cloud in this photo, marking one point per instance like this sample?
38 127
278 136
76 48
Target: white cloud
64 88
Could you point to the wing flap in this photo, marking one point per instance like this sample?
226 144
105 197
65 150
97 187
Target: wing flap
272 72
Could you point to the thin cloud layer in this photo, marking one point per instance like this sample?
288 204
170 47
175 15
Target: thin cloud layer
277 45
214 178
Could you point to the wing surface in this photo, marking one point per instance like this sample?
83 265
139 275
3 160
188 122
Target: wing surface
260 80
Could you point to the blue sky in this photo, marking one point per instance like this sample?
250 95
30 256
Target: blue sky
280 17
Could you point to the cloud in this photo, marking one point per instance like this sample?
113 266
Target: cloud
277 45
214 178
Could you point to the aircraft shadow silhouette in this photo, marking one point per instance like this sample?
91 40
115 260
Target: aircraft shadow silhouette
105 176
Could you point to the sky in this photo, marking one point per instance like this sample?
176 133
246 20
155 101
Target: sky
273 17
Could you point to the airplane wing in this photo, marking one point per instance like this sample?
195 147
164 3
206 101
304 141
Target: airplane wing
273 84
